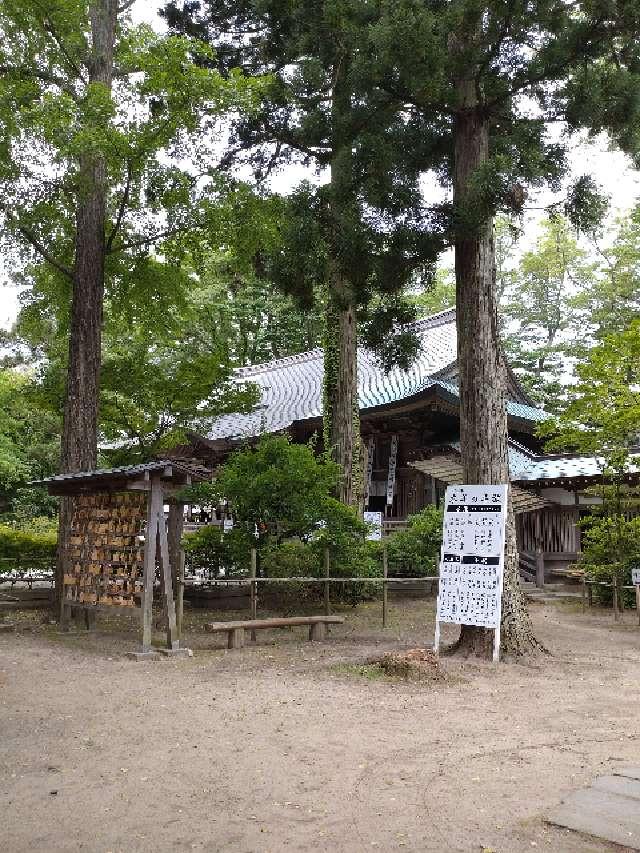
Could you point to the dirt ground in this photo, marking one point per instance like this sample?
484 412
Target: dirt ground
293 746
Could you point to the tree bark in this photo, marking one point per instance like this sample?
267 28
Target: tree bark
341 404
481 366
80 420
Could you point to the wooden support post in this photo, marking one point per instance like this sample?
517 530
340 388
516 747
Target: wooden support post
385 573
616 615
180 595
584 593
539 569
317 632
590 594
150 543
254 601
169 603
638 602
327 571
176 558
236 638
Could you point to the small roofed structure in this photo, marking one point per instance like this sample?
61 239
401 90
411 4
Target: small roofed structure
116 536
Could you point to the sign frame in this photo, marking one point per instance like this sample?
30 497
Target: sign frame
464 502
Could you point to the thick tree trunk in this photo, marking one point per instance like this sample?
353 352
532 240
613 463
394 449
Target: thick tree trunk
341 405
80 421
341 409
482 373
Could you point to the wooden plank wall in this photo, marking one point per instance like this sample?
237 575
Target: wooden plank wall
558 530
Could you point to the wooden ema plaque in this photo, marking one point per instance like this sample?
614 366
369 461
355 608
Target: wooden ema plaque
105 555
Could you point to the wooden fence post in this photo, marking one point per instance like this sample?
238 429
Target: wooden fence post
254 602
327 569
385 573
539 569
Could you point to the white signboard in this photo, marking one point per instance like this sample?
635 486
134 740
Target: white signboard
472 558
391 476
635 577
228 525
374 519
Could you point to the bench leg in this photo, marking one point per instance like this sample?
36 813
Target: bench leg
317 631
236 638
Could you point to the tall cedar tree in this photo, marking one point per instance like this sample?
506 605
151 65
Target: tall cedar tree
489 78
87 103
362 234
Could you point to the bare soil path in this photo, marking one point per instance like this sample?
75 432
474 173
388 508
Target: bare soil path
286 746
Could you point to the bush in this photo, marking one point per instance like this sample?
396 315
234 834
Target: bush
209 552
39 543
610 548
416 551
294 558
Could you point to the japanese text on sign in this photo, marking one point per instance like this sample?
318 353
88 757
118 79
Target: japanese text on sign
472 556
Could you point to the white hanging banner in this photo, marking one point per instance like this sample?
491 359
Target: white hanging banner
472 559
369 470
391 477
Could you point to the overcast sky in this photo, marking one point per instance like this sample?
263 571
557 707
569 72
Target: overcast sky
611 169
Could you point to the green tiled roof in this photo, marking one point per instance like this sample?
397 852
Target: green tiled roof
291 388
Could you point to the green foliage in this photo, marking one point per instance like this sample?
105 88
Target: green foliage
28 447
416 550
277 484
539 311
285 492
211 553
612 300
158 115
439 295
361 235
22 544
610 550
602 416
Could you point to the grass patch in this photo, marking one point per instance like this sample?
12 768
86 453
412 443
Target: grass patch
370 671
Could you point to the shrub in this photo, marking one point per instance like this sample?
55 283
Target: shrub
22 550
416 550
209 552
279 486
610 548
294 558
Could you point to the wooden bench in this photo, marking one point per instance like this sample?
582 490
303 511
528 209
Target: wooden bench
235 630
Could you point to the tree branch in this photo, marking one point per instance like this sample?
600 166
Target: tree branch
151 238
31 238
124 200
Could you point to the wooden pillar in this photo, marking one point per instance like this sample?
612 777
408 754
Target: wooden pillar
327 570
539 569
176 558
385 572
149 572
616 614
157 498
539 551
254 603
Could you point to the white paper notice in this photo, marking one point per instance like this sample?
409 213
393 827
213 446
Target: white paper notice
472 556
374 519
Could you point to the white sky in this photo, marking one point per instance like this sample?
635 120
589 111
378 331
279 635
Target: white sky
612 170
